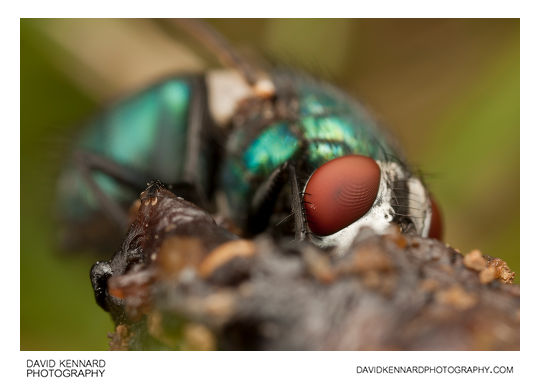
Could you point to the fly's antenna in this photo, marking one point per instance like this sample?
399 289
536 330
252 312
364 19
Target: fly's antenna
226 54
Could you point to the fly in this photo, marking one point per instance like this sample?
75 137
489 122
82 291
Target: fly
272 150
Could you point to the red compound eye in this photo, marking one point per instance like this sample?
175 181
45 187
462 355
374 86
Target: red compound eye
436 226
340 192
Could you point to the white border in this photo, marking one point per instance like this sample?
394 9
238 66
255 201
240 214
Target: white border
276 8
266 366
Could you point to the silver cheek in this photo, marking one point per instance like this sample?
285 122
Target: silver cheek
377 218
419 206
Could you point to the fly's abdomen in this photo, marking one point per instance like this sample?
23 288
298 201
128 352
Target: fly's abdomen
150 135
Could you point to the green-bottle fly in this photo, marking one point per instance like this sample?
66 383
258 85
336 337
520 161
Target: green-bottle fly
270 150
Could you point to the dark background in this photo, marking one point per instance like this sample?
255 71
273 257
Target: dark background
448 89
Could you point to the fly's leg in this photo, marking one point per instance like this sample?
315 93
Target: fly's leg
216 44
87 163
265 199
296 205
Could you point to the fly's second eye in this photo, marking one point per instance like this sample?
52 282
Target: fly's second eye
436 226
340 192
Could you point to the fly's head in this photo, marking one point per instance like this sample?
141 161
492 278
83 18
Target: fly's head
355 191
344 168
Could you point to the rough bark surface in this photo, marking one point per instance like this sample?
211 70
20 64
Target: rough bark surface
180 281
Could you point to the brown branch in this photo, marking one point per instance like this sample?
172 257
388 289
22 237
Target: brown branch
181 281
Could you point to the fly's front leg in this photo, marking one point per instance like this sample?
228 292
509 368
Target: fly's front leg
87 163
264 202
296 205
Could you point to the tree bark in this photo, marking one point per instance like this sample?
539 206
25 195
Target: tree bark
180 281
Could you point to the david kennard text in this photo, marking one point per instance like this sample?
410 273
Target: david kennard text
65 368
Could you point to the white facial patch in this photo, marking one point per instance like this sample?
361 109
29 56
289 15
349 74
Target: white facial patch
377 218
419 206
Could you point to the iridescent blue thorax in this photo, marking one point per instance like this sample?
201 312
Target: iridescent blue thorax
322 124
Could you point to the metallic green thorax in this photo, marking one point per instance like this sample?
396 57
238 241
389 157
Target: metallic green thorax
328 125
147 133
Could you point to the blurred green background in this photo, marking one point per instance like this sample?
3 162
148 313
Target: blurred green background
447 88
